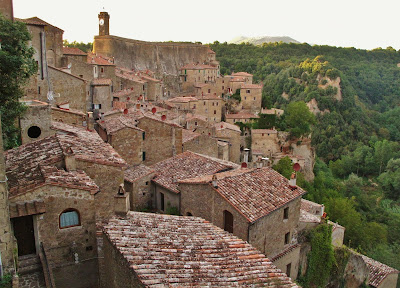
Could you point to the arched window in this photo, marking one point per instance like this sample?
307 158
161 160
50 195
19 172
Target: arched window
69 218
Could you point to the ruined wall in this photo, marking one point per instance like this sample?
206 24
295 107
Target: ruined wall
140 193
268 233
304 149
161 57
116 272
75 118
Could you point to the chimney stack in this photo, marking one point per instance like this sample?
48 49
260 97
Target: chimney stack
69 157
259 163
214 181
121 201
292 181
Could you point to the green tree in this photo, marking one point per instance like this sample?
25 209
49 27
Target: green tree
85 47
299 118
284 167
390 179
16 66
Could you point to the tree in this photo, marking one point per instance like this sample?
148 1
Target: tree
299 118
16 66
85 47
284 167
390 179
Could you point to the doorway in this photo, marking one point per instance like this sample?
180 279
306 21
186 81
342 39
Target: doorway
24 232
228 221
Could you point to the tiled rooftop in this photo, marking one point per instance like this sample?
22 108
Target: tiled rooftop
134 173
245 74
188 135
253 192
73 51
186 165
224 125
190 116
23 164
174 251
114 124
69 110
251 86
263 131
182 99
99 60
36 21
377 271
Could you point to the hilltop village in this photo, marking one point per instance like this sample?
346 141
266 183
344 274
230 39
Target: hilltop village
133 172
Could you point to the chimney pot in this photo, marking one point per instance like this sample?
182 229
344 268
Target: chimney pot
214 181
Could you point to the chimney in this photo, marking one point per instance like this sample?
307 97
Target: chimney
292 181
259 163
90 121
246 155
121 201
69 158
214 181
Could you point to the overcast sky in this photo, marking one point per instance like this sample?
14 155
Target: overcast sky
364 24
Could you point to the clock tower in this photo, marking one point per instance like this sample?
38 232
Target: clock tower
104 24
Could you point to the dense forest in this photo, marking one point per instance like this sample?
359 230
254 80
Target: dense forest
356 138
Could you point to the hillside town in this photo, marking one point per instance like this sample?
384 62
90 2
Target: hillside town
135 172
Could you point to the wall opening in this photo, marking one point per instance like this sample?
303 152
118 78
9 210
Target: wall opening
228 221
34 132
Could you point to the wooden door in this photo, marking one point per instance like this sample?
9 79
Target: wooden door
23 231
228 221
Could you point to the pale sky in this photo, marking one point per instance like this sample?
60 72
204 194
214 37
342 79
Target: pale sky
364 24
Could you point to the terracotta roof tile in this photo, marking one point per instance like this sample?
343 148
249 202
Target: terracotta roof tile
182 99
190 116
186 165
37 21
99 60
377 271
224 125
253 192
69 110
245 74
134 173
188 135
114 124
73 51
251 86
174 251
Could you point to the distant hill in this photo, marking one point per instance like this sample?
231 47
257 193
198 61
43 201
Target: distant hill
262 39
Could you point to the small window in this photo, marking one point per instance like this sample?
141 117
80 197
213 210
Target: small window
247 91
204 103
287 238
195 123
162 206
143 135
144 156
69 218
217 103
209 90
254 98
288 268
245 98
102 70
222 87
286 213
147 183
38 90
215 112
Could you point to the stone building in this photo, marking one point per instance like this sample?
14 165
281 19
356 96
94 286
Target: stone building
182 166
69 116
264 142
199 143
251 95
193 121
137 183
229 134
242 117
184 261
194 73
123 135
128 80
380 275
257 205
210 106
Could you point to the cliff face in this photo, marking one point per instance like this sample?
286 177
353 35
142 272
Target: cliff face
161 57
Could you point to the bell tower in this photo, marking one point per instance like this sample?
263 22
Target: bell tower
104 24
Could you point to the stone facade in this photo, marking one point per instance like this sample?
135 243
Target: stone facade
202 144
229 133
265 141
69 116
6 8
138 185
251 95
163 139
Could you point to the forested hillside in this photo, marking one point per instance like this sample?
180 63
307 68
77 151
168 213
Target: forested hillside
356 135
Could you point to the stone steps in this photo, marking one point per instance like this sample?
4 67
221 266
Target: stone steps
29 264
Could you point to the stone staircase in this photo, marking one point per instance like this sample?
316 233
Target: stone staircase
30 272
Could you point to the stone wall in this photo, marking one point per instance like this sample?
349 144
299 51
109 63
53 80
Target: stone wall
171 199
161 57
234 142
268 233
102 95
202 144
293 259
203 201
6 8
116 269
67 116
128 142
35 122
267 143
108 178
163 140
251 99
140 192
6 236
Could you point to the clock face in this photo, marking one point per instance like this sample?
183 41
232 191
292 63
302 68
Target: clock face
101 22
